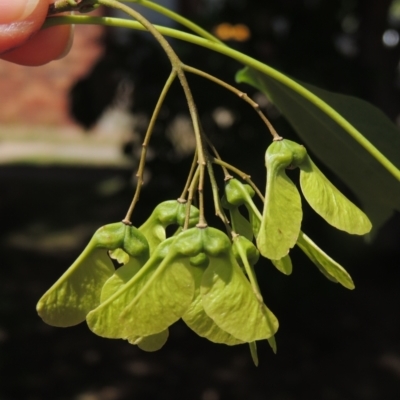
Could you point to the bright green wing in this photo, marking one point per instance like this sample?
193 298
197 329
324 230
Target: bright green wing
78 290
229 300
329 267
283 265
331 204
196 318
150 343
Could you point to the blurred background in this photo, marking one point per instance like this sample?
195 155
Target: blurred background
70 135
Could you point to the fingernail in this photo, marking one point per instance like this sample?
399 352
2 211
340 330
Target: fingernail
16 10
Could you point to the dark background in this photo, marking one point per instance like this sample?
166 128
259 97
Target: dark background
332 343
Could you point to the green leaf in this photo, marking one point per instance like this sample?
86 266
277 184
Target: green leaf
78 290
282 215
151 301
329 267
378 191
170 212
229 300
283 265
331 204
196 318
150 343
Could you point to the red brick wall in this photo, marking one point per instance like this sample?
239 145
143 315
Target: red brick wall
38 95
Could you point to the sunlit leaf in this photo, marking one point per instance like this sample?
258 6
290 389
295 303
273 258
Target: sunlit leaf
325 264
229 300
378 190
331 204
282 215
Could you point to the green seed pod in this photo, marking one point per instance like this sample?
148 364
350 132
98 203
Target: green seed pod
282 214
201 260
229 300
189 243
157 296
215 242
135 244
196 318
134 255
236 192
250 250
78 290
171 212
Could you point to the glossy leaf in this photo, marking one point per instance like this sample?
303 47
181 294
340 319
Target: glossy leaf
378 191
282 215
196 318
325 264
229 300
331 204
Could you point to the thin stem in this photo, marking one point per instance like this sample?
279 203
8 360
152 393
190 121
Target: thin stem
177 67
202 221
190 177
191 191
249 61
242 174
217 203
239 93
177 18
149 132
227 175
248 268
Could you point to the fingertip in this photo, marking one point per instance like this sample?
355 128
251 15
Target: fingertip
45 46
